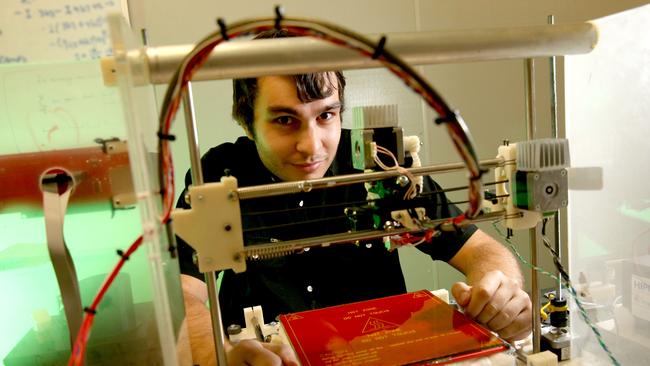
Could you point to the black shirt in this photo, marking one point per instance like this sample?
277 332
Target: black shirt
320 277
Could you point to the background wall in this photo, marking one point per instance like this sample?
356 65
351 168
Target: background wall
490 95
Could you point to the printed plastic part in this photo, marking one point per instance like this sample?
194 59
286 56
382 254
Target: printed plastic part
213 226
546 358
516 218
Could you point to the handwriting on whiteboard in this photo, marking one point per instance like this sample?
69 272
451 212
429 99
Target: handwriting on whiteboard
49 30
52 106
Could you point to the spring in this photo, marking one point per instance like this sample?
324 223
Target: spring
267 253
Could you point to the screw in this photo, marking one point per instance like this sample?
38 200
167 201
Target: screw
563 172
564 203
402 180
305 186
232 196
227 227
536 176
234 329
200 197
237 257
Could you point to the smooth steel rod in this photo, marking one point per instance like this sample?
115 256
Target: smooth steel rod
278 56
529 71
197 179
276 189
531 108
555 134
192 136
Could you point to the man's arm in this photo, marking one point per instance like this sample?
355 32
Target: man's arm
247 352
493 294
195 294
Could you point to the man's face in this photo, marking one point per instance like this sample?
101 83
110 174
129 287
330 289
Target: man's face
295 140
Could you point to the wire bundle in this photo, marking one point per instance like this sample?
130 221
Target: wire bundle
412 191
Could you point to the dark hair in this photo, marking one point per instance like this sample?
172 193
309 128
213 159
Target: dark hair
309 87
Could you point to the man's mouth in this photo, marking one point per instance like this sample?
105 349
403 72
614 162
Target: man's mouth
309 167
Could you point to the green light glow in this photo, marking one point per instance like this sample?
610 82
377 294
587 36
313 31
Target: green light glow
642 214
92 234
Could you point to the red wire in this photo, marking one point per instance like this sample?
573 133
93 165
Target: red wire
79 348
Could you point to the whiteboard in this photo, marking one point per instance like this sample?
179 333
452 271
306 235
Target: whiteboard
51 30
53 106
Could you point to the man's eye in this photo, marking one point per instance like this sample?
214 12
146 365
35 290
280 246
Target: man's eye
283 120
326 116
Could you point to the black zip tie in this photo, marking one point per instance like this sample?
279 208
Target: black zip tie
90 311
379 50
441 120
121 254
279 16
164 136
480 174
172 250
224 30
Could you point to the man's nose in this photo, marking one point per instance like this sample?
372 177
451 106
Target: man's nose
308 141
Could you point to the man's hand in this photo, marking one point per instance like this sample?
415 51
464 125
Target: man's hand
250 352
497 302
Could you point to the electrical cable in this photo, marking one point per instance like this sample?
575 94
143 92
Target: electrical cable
412 191
565 277
79 348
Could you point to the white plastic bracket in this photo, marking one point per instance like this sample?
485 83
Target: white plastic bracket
213 226
254 318
516 218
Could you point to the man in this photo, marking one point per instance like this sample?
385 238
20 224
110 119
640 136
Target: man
293 128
